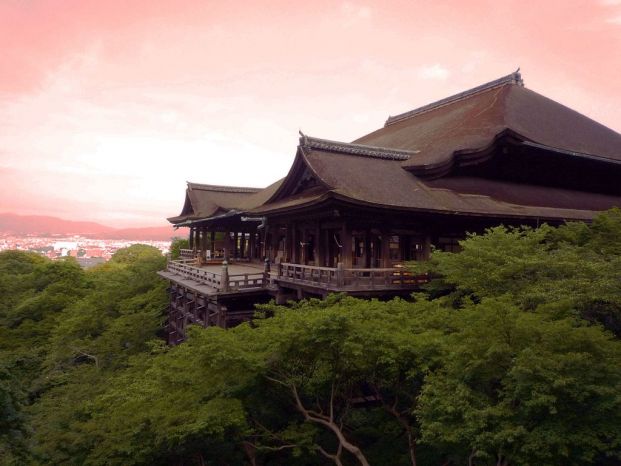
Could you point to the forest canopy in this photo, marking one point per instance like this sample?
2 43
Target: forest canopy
510 356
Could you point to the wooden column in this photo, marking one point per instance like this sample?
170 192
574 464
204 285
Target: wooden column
295 244
427 247
319 247
346 243
274 242
386 247
235 245
303 247
227 245
191 239
203 243
288 244
368 258
251 241
242 246
213 244
264 234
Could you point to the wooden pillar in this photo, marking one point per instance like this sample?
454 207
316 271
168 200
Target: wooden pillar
213 243
304 247
427 247
264 234
235 245
367 259
288 244
191 239
197 244
242 246
346 242
386 248
203 241
274 242
224 278
319 246
266 271
251 239
295 244
227 245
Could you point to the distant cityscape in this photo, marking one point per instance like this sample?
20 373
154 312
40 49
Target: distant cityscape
87 251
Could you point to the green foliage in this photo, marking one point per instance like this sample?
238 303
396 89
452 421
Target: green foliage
524 389
511 357
571 270
12 425
65 335
177 245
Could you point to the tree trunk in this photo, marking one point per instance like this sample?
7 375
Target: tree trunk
330 424
471 457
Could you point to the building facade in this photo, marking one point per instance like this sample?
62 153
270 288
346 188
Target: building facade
349 216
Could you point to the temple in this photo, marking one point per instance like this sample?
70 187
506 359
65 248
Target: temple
349 216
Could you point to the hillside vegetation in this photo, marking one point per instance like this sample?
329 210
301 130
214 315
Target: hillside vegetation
511 356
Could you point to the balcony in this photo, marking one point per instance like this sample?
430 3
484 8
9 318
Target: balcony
216 278
339 279
219 278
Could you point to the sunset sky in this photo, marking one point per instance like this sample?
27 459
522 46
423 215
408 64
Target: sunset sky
108 107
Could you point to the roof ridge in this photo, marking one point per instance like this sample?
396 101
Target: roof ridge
223 189
355 149
513 78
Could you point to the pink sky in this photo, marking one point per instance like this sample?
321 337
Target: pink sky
108 107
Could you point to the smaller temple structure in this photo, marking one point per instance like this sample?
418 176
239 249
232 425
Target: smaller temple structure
348 217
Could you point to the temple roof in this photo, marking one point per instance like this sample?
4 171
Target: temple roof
203 200
472 120
377 182
415 162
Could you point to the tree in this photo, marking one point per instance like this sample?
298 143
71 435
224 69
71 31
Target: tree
573 270
177 245
521 388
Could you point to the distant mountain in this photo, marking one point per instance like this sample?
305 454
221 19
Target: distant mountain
148 233
43 225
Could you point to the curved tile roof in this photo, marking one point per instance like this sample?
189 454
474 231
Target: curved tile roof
389 167
472 121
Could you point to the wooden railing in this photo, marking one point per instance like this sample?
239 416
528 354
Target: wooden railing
220 281
349 279
246 280
328 278
187 253
307 274
196 274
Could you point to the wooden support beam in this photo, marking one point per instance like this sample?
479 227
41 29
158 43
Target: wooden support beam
346 242
367 259
227 245
251 246
242 246
319 246
386 248
303 246
191 239
427 247
203 241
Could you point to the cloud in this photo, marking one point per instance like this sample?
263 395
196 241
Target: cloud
435 71
614 20
610 2
353 12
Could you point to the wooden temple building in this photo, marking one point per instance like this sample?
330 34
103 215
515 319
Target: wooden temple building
348 216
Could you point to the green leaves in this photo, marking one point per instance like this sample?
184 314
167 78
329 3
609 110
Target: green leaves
510 360
513 380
